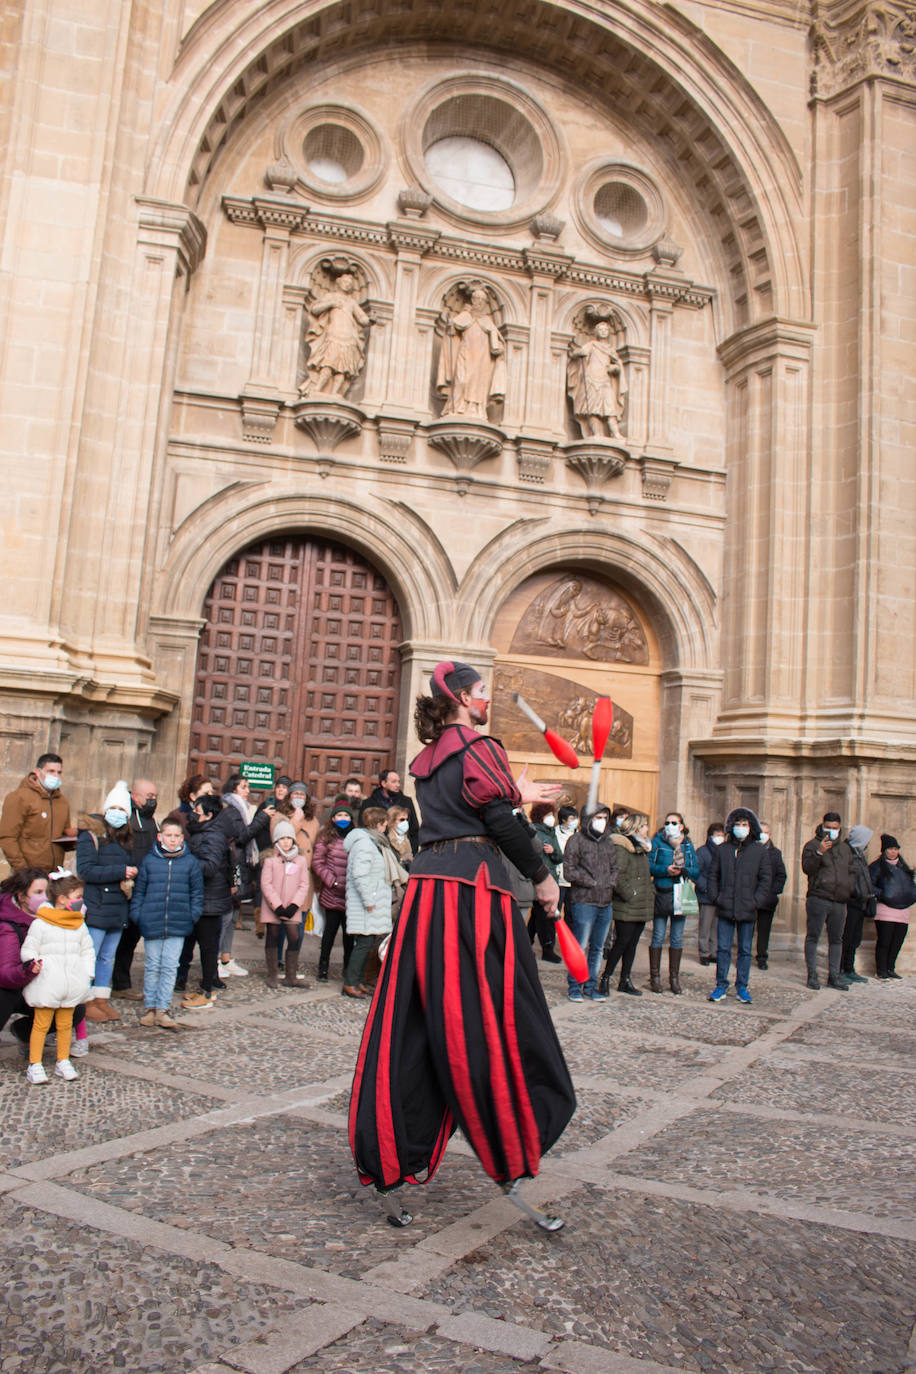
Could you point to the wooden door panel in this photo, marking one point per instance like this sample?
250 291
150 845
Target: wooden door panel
298 665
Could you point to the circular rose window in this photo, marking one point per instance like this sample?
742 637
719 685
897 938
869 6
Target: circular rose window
619 206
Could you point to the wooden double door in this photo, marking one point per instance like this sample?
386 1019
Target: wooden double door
298 666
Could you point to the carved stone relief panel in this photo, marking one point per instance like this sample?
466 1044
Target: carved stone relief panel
566 706
578 616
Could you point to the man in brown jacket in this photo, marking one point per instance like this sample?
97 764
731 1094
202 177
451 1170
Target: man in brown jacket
34 816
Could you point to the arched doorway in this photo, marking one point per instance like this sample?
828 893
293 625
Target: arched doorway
564 637
298 664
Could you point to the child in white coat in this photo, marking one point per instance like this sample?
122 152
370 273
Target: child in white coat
59 950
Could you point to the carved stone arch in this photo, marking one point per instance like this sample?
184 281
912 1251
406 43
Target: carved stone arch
512 293
669 79
666 581
633 316
305 257
403 548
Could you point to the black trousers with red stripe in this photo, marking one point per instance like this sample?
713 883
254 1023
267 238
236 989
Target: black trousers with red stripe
459 1033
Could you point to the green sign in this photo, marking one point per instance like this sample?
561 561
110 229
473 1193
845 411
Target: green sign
258 774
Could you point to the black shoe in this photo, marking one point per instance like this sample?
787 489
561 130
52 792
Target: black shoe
626 986
548 956
181 984
604 986
706 960
852 977
883 977
762 963
813 984
218 983
839 984
892 974
322 975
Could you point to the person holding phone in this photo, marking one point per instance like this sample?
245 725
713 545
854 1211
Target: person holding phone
828 864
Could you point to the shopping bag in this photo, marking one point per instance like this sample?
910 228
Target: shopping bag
685 899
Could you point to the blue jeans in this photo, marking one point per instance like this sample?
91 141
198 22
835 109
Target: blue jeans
105 944
726 933
161 968
663 913
590 925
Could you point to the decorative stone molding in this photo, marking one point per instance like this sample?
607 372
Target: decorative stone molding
657 473
394 438
544 263
666 252
466 442
408 235
328 422
413 202
336 151
174 227
281 176
411 237
547 226
596 461
860 43
259 415
534 458
618 204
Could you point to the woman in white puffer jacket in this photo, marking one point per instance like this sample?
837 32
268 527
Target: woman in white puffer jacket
369 879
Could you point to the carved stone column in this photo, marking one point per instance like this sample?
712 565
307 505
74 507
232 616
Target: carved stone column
543 388
407 387
661 317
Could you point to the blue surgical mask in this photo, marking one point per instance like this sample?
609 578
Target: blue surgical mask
672 829
402 827
50 782
741 832
833 834
343 823
115 818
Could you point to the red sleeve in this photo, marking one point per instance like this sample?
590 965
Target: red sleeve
487 775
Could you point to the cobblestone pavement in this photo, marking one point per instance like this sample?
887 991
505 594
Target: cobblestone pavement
739 1188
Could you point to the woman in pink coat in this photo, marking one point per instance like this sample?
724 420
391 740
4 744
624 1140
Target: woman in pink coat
285 884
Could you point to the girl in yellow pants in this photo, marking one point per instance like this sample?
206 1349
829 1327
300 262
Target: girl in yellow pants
59 948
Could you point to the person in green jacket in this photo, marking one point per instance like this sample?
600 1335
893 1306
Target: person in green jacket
633 900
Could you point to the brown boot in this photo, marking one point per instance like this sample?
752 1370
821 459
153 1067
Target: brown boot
273 970
95 1010
111 1013
292 968
674 971
258 923
655 969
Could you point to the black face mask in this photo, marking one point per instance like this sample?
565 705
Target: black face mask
149 807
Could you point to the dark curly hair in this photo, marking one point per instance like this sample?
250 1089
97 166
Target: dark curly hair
431 716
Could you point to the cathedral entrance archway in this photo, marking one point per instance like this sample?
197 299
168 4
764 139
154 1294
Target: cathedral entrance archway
565 637
298 665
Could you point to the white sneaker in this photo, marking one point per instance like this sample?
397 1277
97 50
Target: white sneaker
35 1074
233 969
64 1069
79 1048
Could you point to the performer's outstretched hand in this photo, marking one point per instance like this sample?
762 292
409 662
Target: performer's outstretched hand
537 791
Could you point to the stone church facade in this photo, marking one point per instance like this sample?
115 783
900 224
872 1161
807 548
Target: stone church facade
573 341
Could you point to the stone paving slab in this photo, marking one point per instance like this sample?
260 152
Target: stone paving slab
36 1122
301 1199
712 1292
75 1304
687 1020
841 1088
590 1048
332 1016
862 1041
596 1115
241 1056
889 1006
375 1348
799 1162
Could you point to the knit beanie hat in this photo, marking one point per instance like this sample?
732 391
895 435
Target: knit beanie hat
283 781
301 787
281 829
888 842
118 798
342 808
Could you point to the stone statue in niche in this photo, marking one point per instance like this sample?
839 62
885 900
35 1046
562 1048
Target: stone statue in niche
595 378
472 361
336 331
579 616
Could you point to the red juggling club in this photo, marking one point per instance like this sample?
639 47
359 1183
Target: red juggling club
602 720
558 746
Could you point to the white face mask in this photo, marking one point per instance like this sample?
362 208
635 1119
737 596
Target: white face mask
741 832
549 821
598 825
764 837
402 827
833 834
717 839
672 829
570 825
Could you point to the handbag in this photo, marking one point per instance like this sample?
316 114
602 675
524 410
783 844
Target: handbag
685 899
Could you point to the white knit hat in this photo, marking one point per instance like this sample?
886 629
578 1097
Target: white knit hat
118 798
281 829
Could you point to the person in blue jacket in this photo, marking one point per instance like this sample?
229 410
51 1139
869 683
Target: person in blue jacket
168 903
673 858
